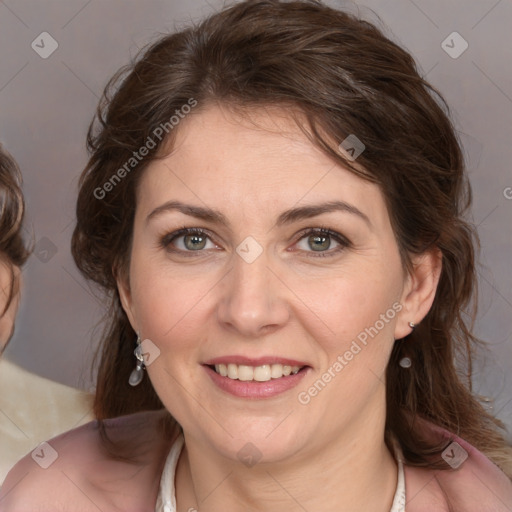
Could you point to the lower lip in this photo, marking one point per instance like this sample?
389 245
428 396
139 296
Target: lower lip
254 389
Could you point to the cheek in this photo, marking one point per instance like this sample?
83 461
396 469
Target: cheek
168 303
360 311
360 303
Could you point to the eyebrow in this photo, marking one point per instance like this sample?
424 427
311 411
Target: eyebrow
287 217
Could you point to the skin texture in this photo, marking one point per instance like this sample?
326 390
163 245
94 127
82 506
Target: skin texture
287 302
8 318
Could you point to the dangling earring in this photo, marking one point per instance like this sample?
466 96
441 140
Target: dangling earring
138 373
406 362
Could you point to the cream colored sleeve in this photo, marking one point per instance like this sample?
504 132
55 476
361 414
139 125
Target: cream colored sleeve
34 409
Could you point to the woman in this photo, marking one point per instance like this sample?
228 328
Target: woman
274 206
32 408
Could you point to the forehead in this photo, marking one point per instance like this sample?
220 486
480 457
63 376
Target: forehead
259 159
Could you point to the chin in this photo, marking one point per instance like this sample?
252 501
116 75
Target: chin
258 443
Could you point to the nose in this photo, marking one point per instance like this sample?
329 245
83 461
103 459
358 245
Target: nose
253 300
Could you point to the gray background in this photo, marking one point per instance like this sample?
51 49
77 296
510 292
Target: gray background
47 104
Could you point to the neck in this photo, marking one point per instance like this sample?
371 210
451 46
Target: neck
349 473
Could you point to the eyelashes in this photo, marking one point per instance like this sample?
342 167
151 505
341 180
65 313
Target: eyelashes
167 241
322 234
311 235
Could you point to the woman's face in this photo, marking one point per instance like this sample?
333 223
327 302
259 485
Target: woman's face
259 286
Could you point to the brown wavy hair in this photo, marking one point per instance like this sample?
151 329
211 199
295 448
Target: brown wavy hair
343 76
13 250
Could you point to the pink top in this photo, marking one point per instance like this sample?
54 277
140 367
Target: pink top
475 484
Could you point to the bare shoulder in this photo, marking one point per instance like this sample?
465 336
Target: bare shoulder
112 467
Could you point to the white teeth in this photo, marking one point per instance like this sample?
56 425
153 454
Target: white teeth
262 373
221 369
245 372
258 373
232 371
276 371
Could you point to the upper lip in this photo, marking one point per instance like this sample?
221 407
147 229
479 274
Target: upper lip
260 361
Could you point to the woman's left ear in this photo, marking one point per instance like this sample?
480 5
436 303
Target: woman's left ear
419 290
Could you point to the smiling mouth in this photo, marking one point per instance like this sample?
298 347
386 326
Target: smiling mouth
261 373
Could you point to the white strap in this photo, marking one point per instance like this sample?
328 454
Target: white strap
166 501
399 499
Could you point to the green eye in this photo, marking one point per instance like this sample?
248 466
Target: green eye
320 240
319 243
317 240
194 242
